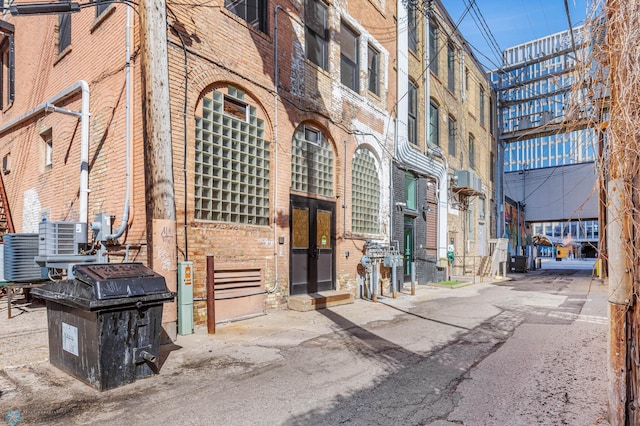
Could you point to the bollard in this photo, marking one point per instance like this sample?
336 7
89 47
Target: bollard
211 297
393 281
374 283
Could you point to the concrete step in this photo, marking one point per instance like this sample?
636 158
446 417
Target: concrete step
320 300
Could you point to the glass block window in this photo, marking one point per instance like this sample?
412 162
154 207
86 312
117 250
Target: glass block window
231 161
365 193
311 162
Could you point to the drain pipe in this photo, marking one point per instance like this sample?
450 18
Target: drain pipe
83 87
184 147
127 73
276 95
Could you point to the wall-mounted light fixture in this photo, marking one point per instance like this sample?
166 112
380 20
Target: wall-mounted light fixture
43 8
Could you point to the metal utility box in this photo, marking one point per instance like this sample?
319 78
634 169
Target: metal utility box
518 264
105 325
185 298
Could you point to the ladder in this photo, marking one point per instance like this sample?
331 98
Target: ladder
6 223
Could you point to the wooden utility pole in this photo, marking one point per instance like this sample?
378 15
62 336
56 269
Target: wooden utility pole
159 195
621 164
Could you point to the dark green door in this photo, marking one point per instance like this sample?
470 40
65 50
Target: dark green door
409 244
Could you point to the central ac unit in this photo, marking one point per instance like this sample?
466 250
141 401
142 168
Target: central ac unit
61 238
20 251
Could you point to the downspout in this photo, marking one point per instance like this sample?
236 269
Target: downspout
48 105
442 176
185 145
427 79
127 73
276 95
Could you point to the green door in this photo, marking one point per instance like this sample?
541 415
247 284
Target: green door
409 241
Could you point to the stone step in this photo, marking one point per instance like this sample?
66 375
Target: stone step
320 300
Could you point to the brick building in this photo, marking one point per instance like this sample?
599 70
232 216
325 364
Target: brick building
299 138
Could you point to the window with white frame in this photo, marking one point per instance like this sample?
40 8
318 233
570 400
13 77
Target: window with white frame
365 193
316 18
412 120
412 27
434 123
433 47
472 151
47 148
451 67
373 69
349 64
7 71
482 102
452 136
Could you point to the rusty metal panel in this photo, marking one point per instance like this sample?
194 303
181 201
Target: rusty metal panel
239 292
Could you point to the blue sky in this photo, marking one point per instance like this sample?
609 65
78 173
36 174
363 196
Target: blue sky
513 22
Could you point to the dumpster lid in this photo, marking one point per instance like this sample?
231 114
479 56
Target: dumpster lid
111 280
106 285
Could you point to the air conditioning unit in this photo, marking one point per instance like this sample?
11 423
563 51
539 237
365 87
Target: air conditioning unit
61 238
468 179
20 251
464 178
477 184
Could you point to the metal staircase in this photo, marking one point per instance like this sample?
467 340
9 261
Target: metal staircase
6 223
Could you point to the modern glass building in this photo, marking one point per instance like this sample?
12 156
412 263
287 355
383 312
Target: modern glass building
539 144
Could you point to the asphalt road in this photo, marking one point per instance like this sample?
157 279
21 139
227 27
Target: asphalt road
527 351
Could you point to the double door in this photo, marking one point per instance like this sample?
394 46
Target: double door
312 256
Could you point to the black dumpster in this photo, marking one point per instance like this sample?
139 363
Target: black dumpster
104 325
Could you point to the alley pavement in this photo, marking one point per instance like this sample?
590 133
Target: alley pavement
442 357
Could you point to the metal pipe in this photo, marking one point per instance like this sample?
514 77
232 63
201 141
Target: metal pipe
127 74
393 281
413 278
374 282
211 296
276 95
184 147
148 357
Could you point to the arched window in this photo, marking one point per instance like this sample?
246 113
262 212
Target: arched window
311 162
365 193
231 160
